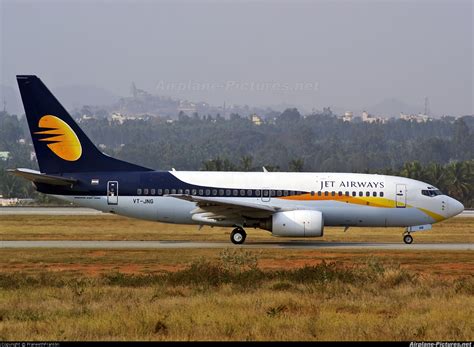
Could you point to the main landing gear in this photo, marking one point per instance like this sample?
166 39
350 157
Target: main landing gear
238 236
407 238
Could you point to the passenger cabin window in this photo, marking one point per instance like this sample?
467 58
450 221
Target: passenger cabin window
139 191
167 191
326 193
361 193
354 194
340 193
160 191
180 191
214 192
208 192
145 191
381 194
319 193
201 192
249 192
367 193
186 191
374 194
257 193
194 192
173 191
347 194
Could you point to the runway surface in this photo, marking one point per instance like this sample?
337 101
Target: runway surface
217 244
82 211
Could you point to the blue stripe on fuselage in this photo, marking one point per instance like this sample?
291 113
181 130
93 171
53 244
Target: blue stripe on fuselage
128 183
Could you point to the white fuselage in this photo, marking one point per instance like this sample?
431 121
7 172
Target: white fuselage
344 199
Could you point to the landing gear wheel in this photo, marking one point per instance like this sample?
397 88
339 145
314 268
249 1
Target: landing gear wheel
238 236
408 239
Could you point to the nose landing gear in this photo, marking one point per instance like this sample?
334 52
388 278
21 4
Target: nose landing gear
407 238
238 236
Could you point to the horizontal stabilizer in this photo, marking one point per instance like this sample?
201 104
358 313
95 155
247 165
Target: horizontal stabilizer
38 177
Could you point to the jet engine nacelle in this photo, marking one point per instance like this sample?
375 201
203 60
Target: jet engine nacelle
298 223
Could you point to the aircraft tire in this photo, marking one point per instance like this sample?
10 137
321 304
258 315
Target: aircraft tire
238 236
408 239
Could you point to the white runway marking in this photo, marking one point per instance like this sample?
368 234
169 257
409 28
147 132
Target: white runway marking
217 244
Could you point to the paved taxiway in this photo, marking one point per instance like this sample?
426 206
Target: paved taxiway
57 211
217 244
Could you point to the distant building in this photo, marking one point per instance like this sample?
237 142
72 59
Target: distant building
348 116
8 202
87 117
187 107
120 118
256 119
420 118
13 201
4 156
368 118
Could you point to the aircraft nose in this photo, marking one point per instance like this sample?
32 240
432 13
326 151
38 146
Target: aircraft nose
455 207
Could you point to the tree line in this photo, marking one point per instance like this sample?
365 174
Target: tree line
430 151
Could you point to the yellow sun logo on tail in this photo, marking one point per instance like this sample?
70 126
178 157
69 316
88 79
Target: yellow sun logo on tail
63 140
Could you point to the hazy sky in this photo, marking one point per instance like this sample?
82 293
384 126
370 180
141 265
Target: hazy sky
346 53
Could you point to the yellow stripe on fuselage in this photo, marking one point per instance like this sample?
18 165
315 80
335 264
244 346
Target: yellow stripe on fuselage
360 200
435 216
366 201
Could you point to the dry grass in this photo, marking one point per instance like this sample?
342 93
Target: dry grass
331 312
234 294
109 227
230 294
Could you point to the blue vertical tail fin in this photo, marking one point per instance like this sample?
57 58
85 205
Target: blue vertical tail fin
60 144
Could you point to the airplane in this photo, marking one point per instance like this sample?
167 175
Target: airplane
288 204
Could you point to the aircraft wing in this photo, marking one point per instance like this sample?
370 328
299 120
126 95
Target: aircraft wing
38 177
218 209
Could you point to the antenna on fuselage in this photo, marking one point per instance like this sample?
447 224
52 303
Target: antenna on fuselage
264 170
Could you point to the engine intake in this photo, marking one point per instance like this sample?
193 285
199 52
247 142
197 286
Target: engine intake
298 223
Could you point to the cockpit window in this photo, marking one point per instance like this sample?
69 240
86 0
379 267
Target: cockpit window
431 192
